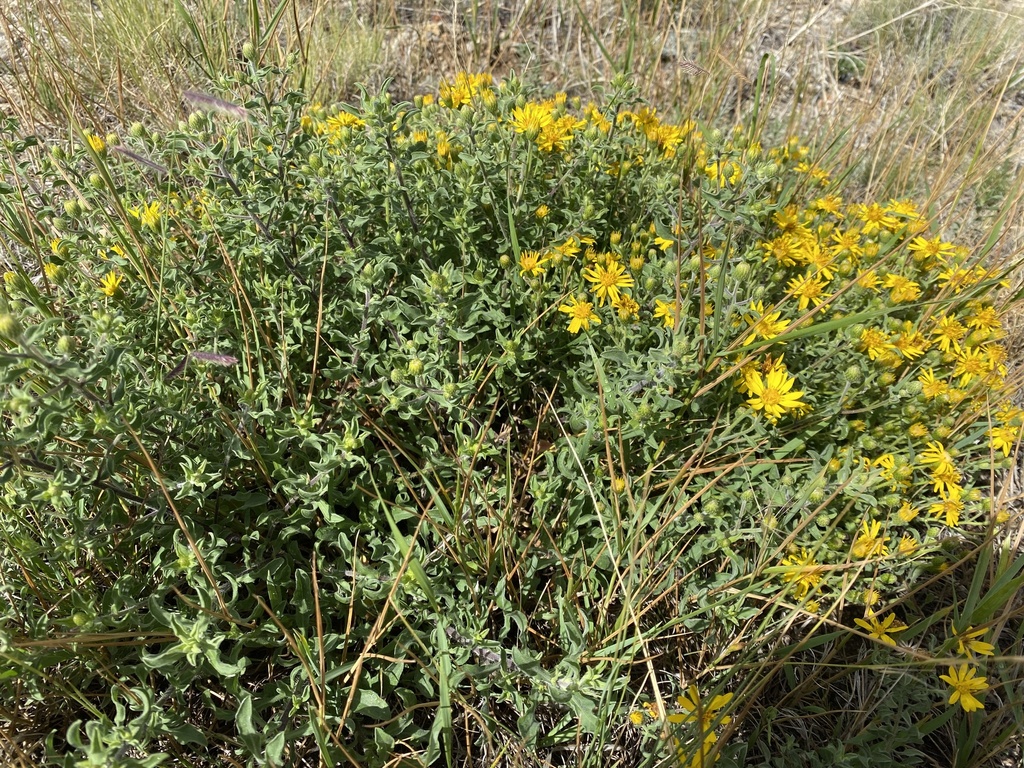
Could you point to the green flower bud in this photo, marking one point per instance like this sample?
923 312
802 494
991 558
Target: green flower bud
854 374
504 261
58 153
197 121
138 131
96 181
742 270
9 326
66 344
72 208
415 367
249 51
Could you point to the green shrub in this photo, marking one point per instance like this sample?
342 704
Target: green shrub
478 429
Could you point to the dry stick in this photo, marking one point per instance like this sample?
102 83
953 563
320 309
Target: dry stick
321 700
181 523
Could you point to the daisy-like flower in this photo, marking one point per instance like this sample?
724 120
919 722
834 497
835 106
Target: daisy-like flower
902 289
847 242
764 324
870 543
964 684
626 307
875 342
96 142
936 456
880 630
530 263
931 387
829 204
581 314
666 310
784 249
950 332
704 713
805 572
875 218
809 288
663 243
906 513
1004 438
949 508
774 393
984 317
907 546
968 644
910 343
608 278
531 118
111 283
923 248
148 215
869 279
971 363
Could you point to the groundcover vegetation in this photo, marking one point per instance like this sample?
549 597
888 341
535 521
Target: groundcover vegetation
491 429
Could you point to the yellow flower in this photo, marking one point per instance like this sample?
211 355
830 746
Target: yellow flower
971 363
774 393
636 718
805 572
666 310
1004 439
875 217
51 270
950 507
968 644
607 280
935 454
902 289
906 512
875 342
950 333
910 343
530 263
965 685
984 317
581 314
764 324
846 242
880 630
626 307
663 243
542 211
97 143
907 545
111 283
148 215
870 543
531 118
808 288
930 386
922 249
705 714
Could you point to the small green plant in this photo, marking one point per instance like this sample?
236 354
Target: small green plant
482 428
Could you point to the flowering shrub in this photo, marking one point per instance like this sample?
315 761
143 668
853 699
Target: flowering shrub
413 431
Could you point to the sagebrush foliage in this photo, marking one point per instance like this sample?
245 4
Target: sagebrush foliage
425 429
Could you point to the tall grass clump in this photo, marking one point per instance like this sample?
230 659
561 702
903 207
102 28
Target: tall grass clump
491 429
